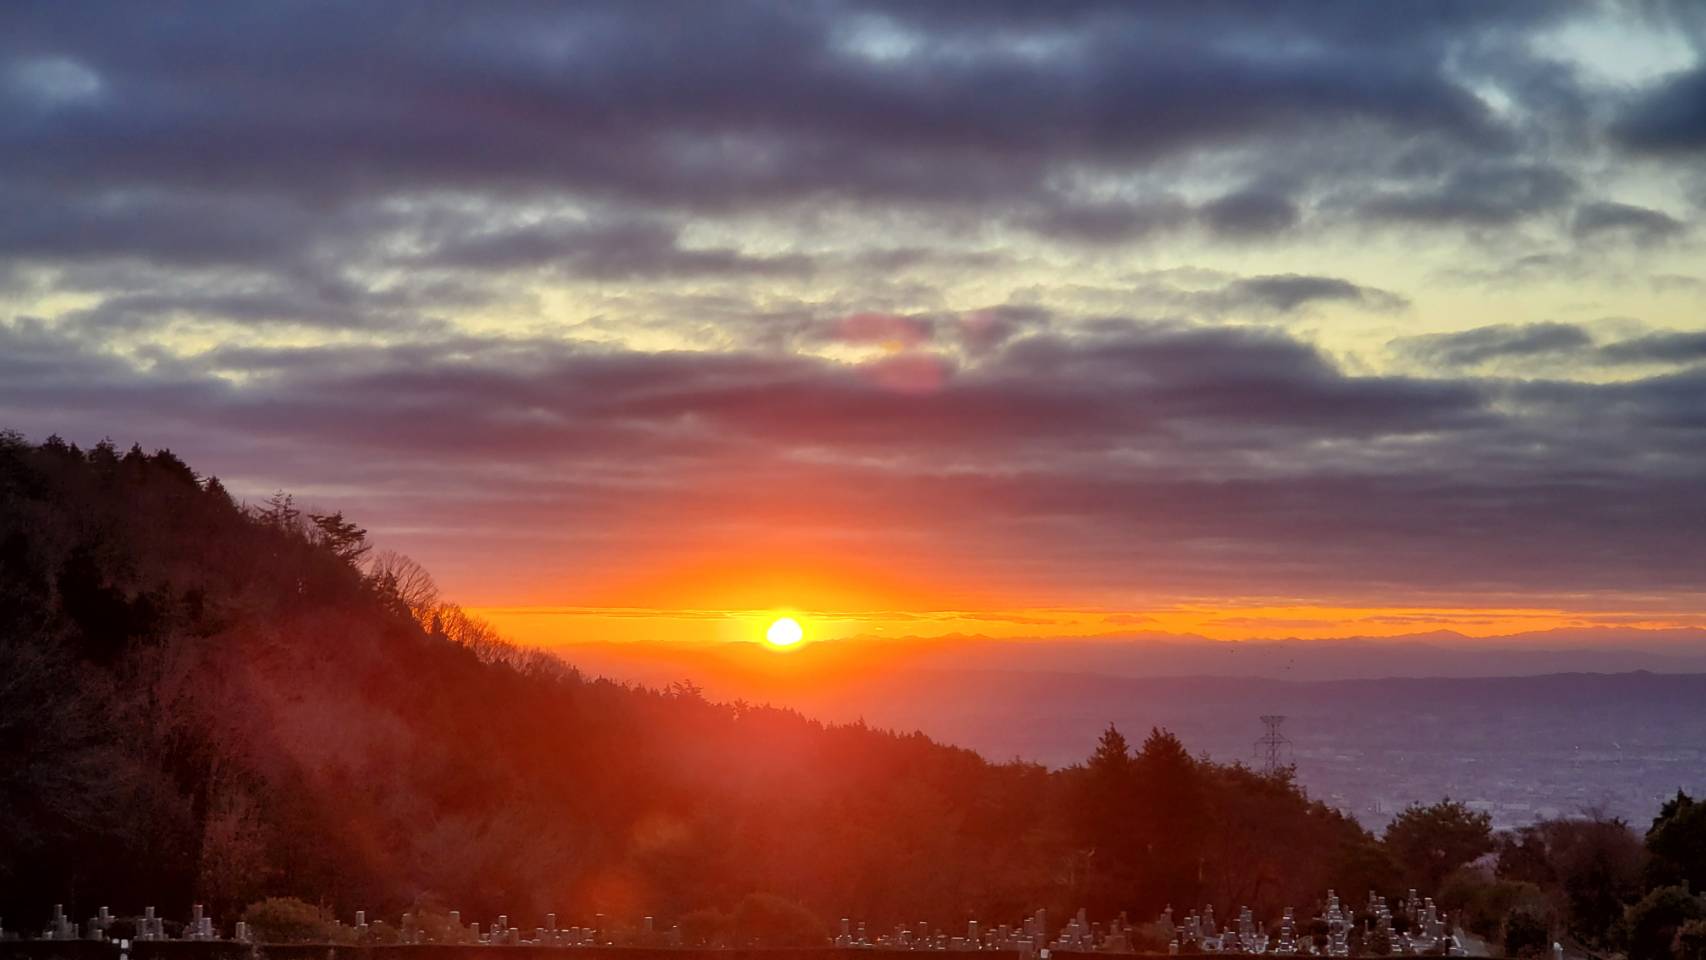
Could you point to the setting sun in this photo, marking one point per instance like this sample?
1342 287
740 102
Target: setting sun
784 632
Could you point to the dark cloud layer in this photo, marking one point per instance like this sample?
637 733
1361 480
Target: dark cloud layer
1550 341
604 97
687 106
1641 223
1468 347
284 238
603 251
1187 453
1671 118
1288 292
253 134
1480 195
1251 213
1658 348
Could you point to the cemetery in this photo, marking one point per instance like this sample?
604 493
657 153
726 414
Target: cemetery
1415 928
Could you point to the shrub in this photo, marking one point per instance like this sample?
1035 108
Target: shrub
1654 923
704 928
1527 934
381 933
767 920
435 925
1691 940
1481 903
288 920
1151 937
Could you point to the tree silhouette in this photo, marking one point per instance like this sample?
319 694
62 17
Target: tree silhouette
1433 840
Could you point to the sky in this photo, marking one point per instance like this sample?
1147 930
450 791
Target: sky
650 321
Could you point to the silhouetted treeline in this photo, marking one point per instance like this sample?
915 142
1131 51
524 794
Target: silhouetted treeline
1594 882
207 702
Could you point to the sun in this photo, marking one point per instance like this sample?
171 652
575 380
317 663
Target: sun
784 632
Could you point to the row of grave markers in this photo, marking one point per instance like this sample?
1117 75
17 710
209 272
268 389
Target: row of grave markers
1427 932
151 926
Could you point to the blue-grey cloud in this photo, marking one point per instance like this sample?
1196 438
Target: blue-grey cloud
1668 118
603 251
1285 293
1250 213
1499 341
1186 453
1643 224
730 106
258 135
1480 195
1661 348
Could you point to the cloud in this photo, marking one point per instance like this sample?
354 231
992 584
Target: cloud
1241 215
1208 294
731 107
1669 117
1250 213
1043 389
164 227
1177 453
1285 293
322 303
1108 222
1639 223
1548 340
604 251
1669 348
50 82
583 143
1666 282
885 329
1500 341
1479 195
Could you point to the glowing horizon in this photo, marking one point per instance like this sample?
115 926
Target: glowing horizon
549 626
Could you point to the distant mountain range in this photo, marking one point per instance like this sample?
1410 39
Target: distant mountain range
744 667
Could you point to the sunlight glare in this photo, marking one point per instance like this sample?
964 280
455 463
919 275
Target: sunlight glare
784 632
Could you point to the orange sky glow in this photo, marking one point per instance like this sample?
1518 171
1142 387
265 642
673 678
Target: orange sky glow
549 626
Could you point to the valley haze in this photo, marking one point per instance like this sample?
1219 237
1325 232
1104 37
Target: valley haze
1526 727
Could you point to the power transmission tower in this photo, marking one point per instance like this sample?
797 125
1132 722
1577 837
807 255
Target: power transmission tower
1273 749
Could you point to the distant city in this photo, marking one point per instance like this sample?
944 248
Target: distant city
1517 748
1519 772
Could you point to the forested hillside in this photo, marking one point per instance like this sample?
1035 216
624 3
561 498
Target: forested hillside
206 701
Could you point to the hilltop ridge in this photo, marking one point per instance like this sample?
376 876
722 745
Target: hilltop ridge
216 702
